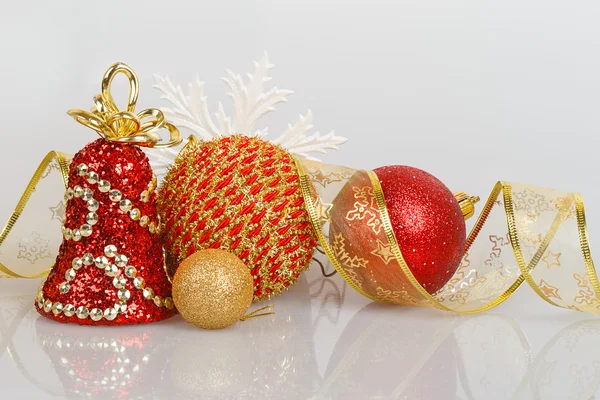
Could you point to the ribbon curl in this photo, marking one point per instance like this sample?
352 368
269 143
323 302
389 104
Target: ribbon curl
523 234
125 127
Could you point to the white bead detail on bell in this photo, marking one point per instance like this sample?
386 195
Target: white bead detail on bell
135 214
96 314
101 261
77 191
104 186
76 236
144 221
57 308
152 227
82 312
158 301
148 293
115 195
64 287
93 205
111 270
82 169
120 307
110 250
169 303
130 272
92 177
69 310
119 282
88 259
47 306
69 193
121 260
124 294
110 314
145 196
85 230
70 274
139 282
77 263
125 205
67 234
91 218
87 194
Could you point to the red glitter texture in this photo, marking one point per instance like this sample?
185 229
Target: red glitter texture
427 221
240 194
127 169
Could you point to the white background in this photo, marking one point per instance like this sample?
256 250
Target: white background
471 91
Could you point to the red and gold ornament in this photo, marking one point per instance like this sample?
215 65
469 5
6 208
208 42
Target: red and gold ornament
110 267
240 194
390 232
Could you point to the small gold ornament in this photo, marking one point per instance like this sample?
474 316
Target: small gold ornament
212 289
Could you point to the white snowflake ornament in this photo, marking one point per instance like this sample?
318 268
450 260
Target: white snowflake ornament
251 100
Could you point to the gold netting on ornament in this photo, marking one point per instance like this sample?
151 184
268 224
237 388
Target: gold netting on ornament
240 194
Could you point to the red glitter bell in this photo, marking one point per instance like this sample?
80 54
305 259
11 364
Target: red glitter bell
110 267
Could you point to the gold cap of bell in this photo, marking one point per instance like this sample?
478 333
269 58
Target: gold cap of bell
466 203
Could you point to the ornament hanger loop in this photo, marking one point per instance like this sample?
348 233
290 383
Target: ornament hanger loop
134 87
125 127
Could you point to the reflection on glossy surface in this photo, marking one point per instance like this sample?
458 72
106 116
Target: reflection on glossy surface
266 357
568 366
322 343
122 363
377 356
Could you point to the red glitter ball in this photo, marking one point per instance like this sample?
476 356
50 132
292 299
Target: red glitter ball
427 221
128 170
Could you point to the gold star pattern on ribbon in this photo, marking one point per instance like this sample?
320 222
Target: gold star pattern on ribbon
383 251
325 179
552 259
549 290
323 210
58 212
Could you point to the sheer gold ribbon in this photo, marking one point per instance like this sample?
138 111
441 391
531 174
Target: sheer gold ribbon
31 237
524 233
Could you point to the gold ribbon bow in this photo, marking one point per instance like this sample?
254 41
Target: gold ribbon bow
125 126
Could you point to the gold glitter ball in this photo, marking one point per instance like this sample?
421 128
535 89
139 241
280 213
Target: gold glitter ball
212 289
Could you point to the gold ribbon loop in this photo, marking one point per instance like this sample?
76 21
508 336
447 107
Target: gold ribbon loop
152 124
124 123
93 121
134 87
125 127
523 234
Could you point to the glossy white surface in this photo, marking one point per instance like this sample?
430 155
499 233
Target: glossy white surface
472 91
324 342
